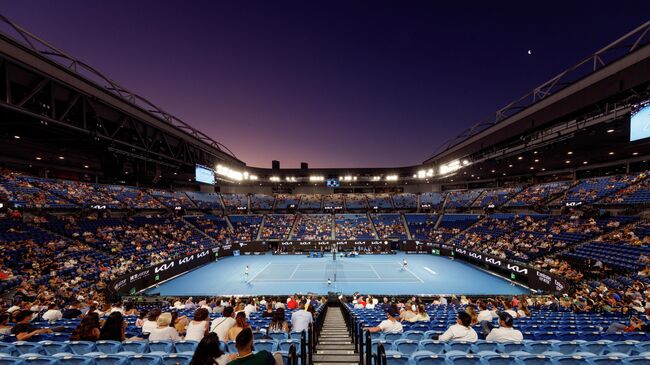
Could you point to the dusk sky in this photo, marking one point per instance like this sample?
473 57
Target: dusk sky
331 83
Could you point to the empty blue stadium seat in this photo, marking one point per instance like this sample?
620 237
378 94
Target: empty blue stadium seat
138 347
108 347
500 359
173 359
278 335
436 347
396 358
52 347
268 345
161 346
145 359
108 359
404 346
467 359
39 360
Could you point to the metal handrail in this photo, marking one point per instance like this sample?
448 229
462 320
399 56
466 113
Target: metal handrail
381 355
368 347
293 356
303 347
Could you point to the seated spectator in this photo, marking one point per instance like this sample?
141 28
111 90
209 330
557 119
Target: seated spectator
422 315
636 325
472 313
5 329
269 310
505 332
221 326
130 310
163 332
390 324
72 312
407 314
301 319
142 316
461 331
208 352
149 324
278 323
199 326
25 331
52 314
240 324
88 329
484 314
113 328
245 354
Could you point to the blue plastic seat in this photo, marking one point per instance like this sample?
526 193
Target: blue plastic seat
268 345
406 347
537 347
185 346
35 359
481 345
284 345
173 359
436 347
595 347
500 359
257 335
467 359
161 346
507 347
278 336
108 347
53 347
413 335
568 347
637 360
11 361
81 347
396 358
459 346
606 360
534 360
109 359
25 347
7 348
625 347
571 360
392 337
75 360
138 347
145 359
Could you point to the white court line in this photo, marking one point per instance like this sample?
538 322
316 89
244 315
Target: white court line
375 271
294 272
411 272
259 272
338 281
429 270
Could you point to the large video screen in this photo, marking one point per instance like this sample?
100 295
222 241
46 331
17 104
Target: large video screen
640 121
204 175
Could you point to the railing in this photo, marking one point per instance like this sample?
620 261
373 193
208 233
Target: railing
293 356
303 347
380 356
314 333
368 347
354 328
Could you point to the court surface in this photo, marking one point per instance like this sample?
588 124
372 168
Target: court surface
372 274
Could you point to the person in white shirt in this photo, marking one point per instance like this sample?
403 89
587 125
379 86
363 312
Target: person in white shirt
52 314
443 300
163 332
199 326
117 307
149 323
222 325
484 314
509 310
301 319
505 332
390 324
461 331
250 308
263 302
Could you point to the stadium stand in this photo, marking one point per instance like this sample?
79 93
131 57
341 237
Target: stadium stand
538 193
433 201
202 200
261 202
172 199
462 198
405 201
286 201
277 226
235 202
421 226
245 227
355 202
389 226
313 227
311 202
496 197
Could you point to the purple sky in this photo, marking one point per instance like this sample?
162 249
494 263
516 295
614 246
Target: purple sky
331 83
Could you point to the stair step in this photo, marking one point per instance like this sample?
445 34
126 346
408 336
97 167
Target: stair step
335 342
335 347
336 358
336 363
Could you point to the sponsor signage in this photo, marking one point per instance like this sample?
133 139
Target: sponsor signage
536 279
327 245
140 279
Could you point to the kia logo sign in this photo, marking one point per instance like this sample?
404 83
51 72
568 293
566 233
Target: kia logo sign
163 267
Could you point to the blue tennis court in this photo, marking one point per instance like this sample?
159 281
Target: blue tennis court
378 274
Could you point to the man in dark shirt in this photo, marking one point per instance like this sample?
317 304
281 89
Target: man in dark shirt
23 330
72 311
245 355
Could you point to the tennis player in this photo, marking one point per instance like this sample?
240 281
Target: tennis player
404 264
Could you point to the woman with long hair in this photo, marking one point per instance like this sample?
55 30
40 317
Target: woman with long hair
88 329
472 313
149 324
240 324
422 315
199 326
114 327
208 352
278 323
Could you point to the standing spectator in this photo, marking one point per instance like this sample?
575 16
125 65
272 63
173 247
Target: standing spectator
88 329
300 320
114 327
505 332
461 331
163 332
208 352
199 326
240 324
390 324
221 326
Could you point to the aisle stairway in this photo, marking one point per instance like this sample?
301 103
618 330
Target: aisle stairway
335 345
